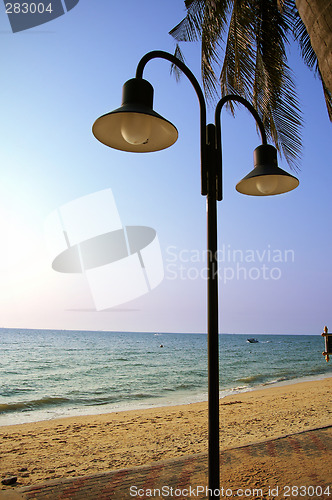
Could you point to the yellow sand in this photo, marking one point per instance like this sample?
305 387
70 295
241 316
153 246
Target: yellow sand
90 444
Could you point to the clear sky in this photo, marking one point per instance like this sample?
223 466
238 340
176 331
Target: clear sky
275 265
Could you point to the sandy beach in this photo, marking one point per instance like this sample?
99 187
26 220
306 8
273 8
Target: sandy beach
90 444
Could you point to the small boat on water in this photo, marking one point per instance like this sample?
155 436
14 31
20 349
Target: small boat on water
252 341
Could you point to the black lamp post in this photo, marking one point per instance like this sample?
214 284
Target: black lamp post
136 127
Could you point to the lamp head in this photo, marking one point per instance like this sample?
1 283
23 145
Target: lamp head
266 179
135 126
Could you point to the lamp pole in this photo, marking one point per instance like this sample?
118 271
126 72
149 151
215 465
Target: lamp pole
136 127
212 321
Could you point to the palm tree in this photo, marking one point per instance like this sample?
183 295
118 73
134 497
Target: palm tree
252 37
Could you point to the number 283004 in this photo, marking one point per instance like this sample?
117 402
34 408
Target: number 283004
28 8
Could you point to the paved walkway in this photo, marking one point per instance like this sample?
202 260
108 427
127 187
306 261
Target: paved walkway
292 467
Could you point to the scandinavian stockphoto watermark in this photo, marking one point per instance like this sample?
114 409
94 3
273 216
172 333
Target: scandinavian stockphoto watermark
121 263
232 263
27 14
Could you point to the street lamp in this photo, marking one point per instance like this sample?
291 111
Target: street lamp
136 127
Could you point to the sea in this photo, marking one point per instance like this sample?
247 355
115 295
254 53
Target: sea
47 374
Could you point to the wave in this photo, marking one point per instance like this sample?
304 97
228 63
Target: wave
237 389
276 381
118 399
8 392
141 395
186 386
268 379
318 370
259 377
34 404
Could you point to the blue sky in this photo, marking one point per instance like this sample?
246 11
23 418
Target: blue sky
57 79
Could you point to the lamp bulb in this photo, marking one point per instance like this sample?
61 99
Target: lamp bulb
135 128
267 184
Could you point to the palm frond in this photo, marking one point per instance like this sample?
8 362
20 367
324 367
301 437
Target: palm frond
302 36
274 93
283 120
206 20
256 69
190 28
215 20
253 35
237 72
174 69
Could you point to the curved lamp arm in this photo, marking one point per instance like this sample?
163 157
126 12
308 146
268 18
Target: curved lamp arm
234 97
160 54
221 103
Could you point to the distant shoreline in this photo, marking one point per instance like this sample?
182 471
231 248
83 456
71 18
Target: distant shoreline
153 332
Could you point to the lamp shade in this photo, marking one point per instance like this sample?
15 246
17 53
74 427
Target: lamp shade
266 179
135 126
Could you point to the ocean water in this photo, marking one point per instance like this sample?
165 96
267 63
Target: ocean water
46 374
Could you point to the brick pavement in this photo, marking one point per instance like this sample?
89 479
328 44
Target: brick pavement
269 474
